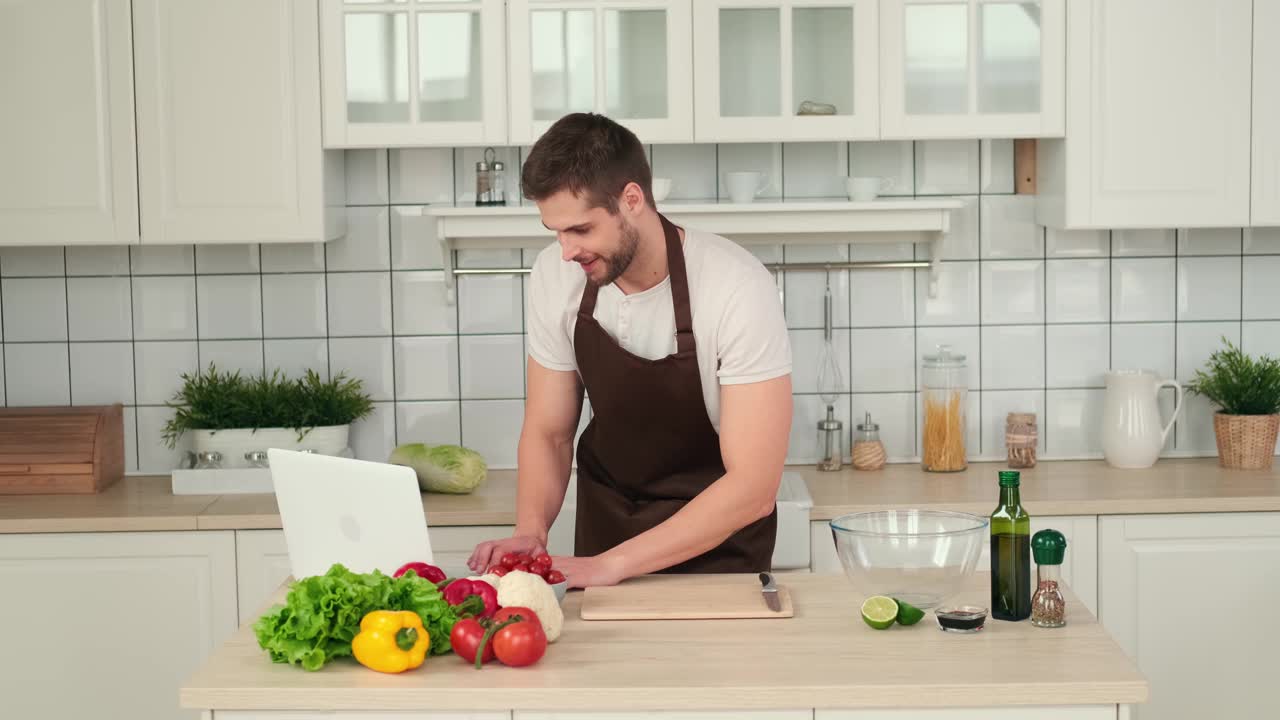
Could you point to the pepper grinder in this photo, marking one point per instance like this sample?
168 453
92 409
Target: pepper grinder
832 439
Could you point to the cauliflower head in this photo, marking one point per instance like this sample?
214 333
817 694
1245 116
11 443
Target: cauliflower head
521 589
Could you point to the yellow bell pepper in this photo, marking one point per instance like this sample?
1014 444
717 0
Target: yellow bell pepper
391 641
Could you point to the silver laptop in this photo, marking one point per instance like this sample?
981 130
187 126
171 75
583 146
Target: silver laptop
365 515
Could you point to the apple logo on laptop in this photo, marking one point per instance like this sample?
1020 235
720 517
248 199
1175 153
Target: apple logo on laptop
350 528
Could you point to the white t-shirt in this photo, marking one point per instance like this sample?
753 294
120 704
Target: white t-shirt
738 324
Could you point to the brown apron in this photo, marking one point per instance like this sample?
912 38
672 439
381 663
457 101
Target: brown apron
650 446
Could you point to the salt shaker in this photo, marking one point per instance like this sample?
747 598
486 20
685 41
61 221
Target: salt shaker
1048 607
497 181
484 180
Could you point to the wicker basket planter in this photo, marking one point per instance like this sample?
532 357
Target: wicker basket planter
1246 442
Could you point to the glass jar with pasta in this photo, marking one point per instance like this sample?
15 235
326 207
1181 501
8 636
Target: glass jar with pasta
943 394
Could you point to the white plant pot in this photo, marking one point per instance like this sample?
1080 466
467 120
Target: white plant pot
233 444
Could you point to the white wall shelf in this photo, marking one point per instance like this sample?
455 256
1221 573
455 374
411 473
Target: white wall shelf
797 222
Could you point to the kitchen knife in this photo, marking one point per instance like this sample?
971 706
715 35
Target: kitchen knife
770 592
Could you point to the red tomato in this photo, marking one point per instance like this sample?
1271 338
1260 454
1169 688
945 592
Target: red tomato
555 576
510 560
521 566
544 558
521 643
465 639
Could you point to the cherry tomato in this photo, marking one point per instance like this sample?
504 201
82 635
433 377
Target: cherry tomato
555 576
544 558
521 643
465 639
498 570
521 566
510 560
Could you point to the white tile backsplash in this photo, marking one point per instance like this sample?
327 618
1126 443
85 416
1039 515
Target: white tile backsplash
159 366
25 261
99 308
1015 357
1078 291
229 306
1013 292
1209 288
1261 292
293 306
35 309
37 374
455 372
883 359
492 428
1143 290
369 359
227 259
367 244
1009 229
1143 346
359 304
433 423
947 167
807 352
1077 356
154 455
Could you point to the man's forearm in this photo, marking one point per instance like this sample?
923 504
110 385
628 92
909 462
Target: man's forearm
542 478
727 505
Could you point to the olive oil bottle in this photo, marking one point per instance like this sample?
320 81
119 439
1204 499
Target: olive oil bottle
1010 553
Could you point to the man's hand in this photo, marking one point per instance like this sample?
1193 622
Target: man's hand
489 553
584 572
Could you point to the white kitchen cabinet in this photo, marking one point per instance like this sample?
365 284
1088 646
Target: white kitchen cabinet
67 148
262 566
111 624
1158 116
228 118
1189 598
757 61
413 73
1079 569
1265 209
972 68
629 60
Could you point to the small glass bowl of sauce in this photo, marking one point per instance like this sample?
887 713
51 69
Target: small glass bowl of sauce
961 619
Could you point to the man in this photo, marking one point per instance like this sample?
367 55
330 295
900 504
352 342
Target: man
679 340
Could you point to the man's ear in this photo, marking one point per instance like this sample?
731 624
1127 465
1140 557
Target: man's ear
632 200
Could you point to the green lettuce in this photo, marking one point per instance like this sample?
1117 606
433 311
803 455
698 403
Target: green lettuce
322 614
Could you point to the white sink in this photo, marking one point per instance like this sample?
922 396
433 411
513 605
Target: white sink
790 551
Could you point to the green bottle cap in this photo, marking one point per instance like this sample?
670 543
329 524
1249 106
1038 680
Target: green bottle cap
1049 547
1010 478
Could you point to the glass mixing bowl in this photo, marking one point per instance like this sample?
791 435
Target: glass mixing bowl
922 557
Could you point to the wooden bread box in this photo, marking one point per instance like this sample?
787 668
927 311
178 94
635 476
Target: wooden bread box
61 450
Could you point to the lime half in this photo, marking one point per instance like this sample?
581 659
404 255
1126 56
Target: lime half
879 612
909 614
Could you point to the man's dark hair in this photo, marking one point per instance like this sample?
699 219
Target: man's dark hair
589 155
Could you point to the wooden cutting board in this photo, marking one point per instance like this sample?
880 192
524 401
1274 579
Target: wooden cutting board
675 597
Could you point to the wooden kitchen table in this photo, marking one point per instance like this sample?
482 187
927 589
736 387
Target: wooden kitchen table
824 663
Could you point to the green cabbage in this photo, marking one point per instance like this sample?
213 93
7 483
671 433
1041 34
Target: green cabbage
442 468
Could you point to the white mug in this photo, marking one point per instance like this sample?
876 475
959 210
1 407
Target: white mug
864 189
661 187
745 186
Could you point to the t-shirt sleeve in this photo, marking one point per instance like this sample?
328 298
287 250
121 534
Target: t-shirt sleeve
549 342
752 338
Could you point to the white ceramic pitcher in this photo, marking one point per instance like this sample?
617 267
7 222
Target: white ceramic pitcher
1132 434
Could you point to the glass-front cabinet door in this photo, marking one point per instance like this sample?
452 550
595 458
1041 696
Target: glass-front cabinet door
413 72
973 68
779 70
628 59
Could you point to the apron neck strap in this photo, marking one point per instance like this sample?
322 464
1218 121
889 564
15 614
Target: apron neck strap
679 289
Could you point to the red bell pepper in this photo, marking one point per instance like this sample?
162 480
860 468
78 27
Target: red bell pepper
457 592
424 571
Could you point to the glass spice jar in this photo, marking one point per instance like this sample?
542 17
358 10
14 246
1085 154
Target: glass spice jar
1021 438
868 451
1048 607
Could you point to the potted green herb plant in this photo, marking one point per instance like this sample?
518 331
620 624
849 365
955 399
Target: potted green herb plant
1248 392
235 415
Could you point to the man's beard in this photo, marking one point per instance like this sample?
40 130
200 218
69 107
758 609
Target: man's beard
617 263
